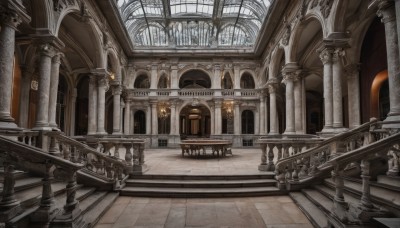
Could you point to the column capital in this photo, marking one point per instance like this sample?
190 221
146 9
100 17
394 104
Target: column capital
57 57
338 53
47 49
13 13
218 103
102 81
325 55
291 75
117 90
386 10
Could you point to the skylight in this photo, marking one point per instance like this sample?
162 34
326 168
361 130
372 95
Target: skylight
193 23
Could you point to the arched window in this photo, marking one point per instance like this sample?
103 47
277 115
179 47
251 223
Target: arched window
247 122
139 123
142 82
163 82
247 82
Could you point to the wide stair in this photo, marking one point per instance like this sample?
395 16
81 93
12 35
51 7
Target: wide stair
28 189
317 202
194 186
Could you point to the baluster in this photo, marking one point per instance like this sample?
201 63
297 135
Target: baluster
71 216
116 149
365 202
128 154
47 210
285 152
141 154
108 169
9 205
66 151
340 206
73 154
393 162
313 165
263 164
54 147
295 174
304 168
271 165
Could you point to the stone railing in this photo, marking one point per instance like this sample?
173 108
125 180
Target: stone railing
195 92
140 92
286 146
110 169
163 92
130 150
248 92
20 155
228 92
26 136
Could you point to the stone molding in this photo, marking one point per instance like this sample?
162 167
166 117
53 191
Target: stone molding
386 11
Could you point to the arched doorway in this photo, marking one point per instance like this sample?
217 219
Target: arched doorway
139 122
247 122
226 82
195 121
380 105
142 82
61 103
82 102
247 82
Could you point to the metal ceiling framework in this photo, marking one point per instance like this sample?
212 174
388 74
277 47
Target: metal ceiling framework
193 23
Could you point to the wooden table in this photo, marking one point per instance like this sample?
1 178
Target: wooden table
198 147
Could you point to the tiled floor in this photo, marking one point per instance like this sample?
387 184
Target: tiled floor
249 212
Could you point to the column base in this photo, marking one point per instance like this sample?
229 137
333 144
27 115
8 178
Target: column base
5 125
101 133
117 133
40 128
391 122
263 167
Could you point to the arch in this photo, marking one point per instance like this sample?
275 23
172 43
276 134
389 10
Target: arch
163 82
379 96
247 81
195 79
142 82
113 65
275 63
82 103
194 120
190 68
226 81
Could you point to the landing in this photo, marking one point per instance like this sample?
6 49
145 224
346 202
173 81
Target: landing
171 162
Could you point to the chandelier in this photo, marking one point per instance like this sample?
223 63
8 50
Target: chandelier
163 111
228 111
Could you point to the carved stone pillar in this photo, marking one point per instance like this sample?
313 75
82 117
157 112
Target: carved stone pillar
153 79
337 95
298 104
272 89
218 117
9 20
102 85
54 79
42 110
173 119
154 118
288 79
148 120
387 13
262 115
174 80
353 91
92 107
127 114
117 91
236 120
217 80
326 58
73 108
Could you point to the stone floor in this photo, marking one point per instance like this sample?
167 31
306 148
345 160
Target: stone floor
268 211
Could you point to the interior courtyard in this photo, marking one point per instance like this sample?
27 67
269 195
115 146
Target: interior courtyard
199 113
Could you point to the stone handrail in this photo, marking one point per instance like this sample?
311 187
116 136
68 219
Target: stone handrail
32 158
195 92
98 164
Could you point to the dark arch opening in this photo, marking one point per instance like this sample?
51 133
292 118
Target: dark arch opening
247 82
82 102
139 122
142 82
247 122
195 79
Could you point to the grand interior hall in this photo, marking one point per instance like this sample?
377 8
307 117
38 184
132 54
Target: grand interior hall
199 113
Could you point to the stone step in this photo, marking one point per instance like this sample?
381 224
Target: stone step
199 183
18 174
93 215
321 201
313 213
264 175
25 183
389 181
388 198
199 192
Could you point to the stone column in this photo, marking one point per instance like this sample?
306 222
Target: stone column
236 116
387 13
42 110
121 120
236 84
212 113
174 80
353 91
148 120
288 78
218 118
117 91
153 80
298 104
24 97
173 118
217 80
73 108
256 121
102 85
9 21
326 58
154 118
92 107
262 114
127 115
272 89
337 96
54 78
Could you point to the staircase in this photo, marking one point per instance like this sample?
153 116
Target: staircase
28 189
197 186
317 201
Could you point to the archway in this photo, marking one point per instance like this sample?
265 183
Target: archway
247 81
139 122
380 105
163 82
142 82
247 122
61 103
194 79
226 81
82 102
195 121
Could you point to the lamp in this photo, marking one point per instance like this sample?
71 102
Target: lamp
228 111
162 111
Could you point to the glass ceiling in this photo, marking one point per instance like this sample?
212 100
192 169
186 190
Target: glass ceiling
193 23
